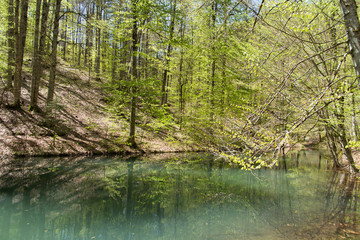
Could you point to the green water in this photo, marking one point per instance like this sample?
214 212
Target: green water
180 196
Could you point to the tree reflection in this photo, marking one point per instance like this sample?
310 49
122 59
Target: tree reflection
111 199
347 225
6 203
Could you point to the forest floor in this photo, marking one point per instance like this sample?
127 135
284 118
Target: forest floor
79 122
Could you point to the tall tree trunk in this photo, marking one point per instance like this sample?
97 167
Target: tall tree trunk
213 63
11 44
167 57
51 89
181 81
35 59
114 61
134 49
146 50
16 32
353 118
78 43
91 43
181 88
38 57
332 146
223 72
20 47
352 26
124 56
342 134
331 136
88 35
105 36
65 34
98 40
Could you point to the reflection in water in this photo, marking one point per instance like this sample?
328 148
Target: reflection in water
200 199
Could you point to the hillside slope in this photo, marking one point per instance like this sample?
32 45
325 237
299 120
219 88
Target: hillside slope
78 124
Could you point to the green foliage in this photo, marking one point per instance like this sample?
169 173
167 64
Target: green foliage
3 38
207 69
3 19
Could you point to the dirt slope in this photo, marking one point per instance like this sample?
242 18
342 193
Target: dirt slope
78 124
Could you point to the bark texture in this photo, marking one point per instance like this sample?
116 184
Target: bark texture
134 49
38 57
20 47
352 26
165 81
50 96
11 44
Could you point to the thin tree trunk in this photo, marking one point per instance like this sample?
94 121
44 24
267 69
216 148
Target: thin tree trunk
332 146
181 81
36 44
51 89
134 49
91 43
353 118
11 44
78 43
330 138
214 9
114 61
88 45
38 57
342 135
146 50
20 47
65 34
104 39
124 57
165 79
98 42
223 73
73 40
181 89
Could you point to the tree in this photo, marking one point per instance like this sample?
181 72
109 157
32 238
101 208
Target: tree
134 76
20 32
11 44
164 97
39 48
53 56
89 34
352 26
99 10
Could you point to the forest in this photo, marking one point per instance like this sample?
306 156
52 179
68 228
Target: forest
237 78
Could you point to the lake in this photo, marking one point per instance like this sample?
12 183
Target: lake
176 196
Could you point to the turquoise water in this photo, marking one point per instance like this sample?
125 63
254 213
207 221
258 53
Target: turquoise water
175 196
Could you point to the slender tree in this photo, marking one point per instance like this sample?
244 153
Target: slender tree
51 89
11 44
134 52
65 34
214 9
89 34
35 63
20 48
164 91
38 56
98 39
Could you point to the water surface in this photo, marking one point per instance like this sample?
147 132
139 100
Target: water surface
179 196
